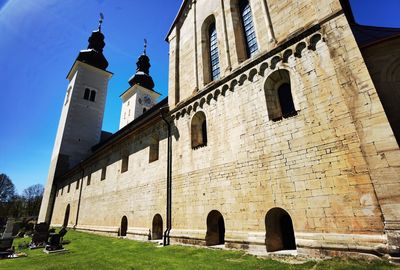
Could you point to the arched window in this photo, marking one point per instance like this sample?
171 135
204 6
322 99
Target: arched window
210 51
90 95
93 96
214 56
248 27
87 94
199 130
278 95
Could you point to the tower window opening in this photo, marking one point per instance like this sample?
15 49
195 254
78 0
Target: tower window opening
69 188
77 184
93 96
87 94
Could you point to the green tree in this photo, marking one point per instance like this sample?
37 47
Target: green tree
7 189
7 194
32 197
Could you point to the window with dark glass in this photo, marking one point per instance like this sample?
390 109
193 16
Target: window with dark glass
248 27
214 57
93 96
87 94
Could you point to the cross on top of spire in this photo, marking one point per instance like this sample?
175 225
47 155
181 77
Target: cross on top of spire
145 46
101 20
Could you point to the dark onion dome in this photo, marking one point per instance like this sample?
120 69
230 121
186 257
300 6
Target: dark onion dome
93 55
142 76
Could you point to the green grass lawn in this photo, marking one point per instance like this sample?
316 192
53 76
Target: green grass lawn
89 251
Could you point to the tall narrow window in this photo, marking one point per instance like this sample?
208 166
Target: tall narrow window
93 96
77 184
69 188
124 164
199 130
87 94
248 27
103 173
214 57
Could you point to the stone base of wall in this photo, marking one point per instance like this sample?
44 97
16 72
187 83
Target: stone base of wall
312 244
363 246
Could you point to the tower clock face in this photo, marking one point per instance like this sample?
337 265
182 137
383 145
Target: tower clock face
147 100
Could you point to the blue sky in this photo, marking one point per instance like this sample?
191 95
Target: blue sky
39 41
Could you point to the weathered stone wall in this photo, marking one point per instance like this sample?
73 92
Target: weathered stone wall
139 193
333 167
327 167
287 18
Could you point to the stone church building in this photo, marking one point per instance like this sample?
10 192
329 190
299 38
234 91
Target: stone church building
281 131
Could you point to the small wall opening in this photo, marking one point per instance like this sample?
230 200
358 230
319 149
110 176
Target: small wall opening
124 226
279 231
124 164
278 95
66 216
215 229
199 130
157 230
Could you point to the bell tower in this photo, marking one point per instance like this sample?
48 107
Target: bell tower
82 115
140 97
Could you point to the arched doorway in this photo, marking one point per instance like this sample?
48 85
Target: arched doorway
279 231
66 216
215 229
157 231
124 226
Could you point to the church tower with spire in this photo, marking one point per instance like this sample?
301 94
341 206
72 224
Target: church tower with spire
140 96
82 115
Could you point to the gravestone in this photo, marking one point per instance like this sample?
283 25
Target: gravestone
8 232
40 235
